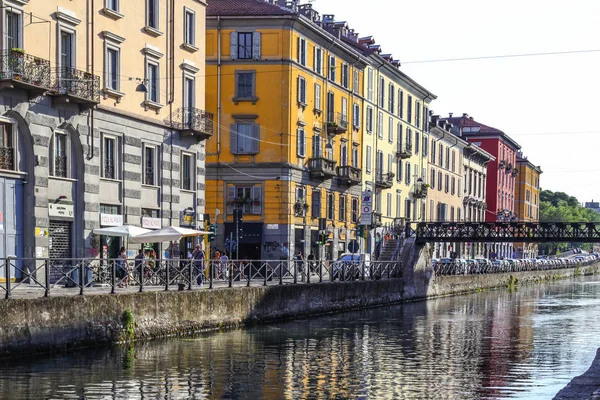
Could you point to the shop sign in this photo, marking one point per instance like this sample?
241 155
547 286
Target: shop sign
151 223
111 220
61 210
188 219
273 227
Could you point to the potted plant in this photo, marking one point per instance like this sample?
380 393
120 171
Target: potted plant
15 51
37 60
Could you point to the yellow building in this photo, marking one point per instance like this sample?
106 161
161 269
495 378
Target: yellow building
287 98
527 201
102 119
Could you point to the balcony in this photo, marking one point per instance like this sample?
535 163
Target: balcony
420 191
321 168
72 85
349 175
404 151
385 180
192 122
23 71
336 123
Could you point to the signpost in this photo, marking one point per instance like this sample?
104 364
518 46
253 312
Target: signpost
366 215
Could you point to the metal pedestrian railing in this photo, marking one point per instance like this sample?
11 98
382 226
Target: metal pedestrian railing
484 266
41 277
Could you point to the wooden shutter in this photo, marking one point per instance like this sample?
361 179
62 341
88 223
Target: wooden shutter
316 204
230 197
233 48
233 135
256 45
301 137
255 138
256 199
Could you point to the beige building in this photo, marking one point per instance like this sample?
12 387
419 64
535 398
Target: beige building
444 201
102 119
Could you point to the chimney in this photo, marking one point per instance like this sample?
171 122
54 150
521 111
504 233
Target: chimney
449 115
465 115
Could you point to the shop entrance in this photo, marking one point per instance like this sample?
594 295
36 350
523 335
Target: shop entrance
11 222
60 247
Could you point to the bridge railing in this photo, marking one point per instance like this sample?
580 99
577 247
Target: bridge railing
474 267
41 277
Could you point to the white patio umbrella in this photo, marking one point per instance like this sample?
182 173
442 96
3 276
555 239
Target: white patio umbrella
127 231
172 233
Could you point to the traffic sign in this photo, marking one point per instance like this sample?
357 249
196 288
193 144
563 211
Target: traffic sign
366 216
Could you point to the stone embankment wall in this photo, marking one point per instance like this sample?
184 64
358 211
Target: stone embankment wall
46 324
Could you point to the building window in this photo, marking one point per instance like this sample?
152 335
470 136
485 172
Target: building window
391 130
368 159
112 68
369 119
345 76
440 181
390 166
245 85
354 216
318 60
244 138
331 74
408 177
189 93
245 198
370 84
317 150
453 187
381 92
301 142
391 103
187 171
355 156
152 13
60 155
13 30
425 146
356 116
343 154
153 78
409 138
316 204
409 110
380 125
389 205
417 142
355 84
400 103
7 147
150 163
190 27
344 109
301 91
399 171
432 182
110 157
318 97
67 47
244 45
302 51
330 205
417 114
342 208
447 184
453 161
112 5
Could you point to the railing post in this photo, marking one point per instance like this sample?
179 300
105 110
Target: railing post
295 264
167 276
229 267
47 277
113 275
7 277
306 270
362 264
281 273
249 274
210 274
142 273
81 277
265 275
320 271
343 276
191 273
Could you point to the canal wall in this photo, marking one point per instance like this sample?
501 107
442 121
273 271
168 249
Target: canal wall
53 323
586 386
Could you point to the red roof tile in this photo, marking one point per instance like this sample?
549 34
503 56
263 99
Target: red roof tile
244 7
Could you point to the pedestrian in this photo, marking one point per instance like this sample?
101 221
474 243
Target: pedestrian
122 267
198 261
224 265
139 264
311 262
217 264
299 261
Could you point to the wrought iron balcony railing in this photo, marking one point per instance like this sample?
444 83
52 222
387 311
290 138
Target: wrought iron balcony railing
192 122
404 150
60 166
109 169
336 123
321 167
149 176
385 180
18 69
79 86
7 158
420 191
349 175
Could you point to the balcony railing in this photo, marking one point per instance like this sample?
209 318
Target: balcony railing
349 175
7 158
109 169
76 86
420 191
404 150
149 176
385 180
60 166
321 167
336 123
24 71
192 122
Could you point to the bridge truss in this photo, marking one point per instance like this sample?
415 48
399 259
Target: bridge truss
505 232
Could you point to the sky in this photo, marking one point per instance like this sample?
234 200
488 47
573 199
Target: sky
548 104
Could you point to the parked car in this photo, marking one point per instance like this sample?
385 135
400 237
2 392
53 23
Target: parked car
350 266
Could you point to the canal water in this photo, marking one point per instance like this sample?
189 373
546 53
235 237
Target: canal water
522 344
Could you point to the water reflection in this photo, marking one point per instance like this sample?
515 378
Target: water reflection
523 344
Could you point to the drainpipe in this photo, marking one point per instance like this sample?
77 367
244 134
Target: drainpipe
91 113
171 100
218 89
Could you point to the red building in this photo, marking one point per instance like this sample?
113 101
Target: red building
501 173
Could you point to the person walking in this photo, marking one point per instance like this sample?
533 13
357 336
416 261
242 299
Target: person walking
311 262
139 265
122 267
299 264
216 264
198 261
225 265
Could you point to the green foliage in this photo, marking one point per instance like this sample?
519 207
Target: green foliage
560 207
128 323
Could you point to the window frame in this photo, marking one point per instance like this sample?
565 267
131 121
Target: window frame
67 153
189 33
153 24
330 205
116 156
302 59
248 137
345 79
301 91
108 77
301 142
155 164
156 84
342 211
18 13
245 34
251 73
331 68
318 99
192 171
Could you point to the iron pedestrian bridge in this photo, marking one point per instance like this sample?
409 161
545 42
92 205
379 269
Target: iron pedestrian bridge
505 232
